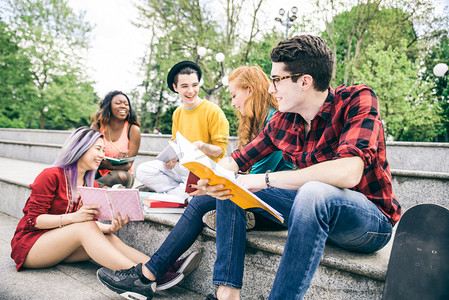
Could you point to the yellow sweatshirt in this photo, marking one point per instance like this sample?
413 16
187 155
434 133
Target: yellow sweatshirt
206 123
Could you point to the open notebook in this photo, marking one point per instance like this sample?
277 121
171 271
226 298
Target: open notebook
117 161
125 201
205 168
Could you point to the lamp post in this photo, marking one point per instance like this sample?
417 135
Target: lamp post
440 70
219 57
289 20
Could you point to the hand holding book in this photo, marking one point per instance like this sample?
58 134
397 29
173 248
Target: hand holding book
117 223
119 161
168 153
205 168
111 201
192 180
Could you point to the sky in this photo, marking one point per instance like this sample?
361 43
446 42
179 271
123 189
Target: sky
118 46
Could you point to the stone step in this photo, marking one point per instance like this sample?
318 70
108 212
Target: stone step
341 274
65 281
414 156
410 187
431 157
417 187
46 153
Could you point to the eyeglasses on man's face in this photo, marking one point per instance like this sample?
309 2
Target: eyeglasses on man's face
275 80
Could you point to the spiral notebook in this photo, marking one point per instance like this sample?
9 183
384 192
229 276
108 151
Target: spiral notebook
125 201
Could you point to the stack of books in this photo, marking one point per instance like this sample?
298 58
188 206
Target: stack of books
156 203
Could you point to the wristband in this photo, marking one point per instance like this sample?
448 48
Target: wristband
267 180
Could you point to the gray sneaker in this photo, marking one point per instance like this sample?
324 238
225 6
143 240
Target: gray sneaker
209 219
128 283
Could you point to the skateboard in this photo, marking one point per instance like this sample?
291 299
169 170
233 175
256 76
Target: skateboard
419 260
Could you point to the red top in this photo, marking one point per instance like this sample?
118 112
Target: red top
48 196
348 124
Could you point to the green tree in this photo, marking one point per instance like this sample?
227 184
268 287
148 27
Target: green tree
350 31
16 82
439 52
404 101
178 28
64 108
383 43
55 39
261 50
166 120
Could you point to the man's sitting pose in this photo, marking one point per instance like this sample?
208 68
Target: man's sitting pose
341 191
200 121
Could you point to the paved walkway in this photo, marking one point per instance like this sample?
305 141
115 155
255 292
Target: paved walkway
64 281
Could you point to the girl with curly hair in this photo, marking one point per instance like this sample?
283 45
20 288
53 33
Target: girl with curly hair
118 123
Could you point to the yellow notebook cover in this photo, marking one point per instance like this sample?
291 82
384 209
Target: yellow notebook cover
205 168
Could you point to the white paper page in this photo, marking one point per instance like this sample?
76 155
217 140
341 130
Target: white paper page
162 197
188 152
167 154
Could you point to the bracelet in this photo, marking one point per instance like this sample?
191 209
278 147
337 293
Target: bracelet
60 221
267 180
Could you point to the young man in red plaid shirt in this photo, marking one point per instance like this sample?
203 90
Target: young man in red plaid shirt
340 193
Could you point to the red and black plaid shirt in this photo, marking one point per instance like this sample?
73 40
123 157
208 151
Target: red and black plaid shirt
348 124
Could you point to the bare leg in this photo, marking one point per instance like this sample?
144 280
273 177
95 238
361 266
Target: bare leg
78 255
147 273
228 293
63 244
136 256
133 254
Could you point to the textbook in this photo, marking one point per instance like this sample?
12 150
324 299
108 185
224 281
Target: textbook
116 161
158 200
163 210
192 179
125 201
162 197
154 203
205 168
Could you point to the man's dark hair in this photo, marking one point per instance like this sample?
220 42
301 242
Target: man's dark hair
185 71
306 54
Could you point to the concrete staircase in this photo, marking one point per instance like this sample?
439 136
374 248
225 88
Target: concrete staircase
420 175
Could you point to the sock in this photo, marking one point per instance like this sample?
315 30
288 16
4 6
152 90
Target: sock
143 278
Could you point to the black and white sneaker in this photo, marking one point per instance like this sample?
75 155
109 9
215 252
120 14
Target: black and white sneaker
130 283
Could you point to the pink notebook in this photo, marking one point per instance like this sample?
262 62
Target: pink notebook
125 201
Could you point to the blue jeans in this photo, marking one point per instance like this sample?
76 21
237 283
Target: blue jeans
182 236
314 214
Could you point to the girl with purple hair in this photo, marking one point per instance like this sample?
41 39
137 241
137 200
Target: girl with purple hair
56 227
